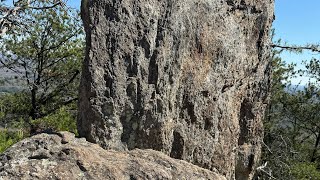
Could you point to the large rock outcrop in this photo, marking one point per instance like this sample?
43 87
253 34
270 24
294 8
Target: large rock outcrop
188 78
62 156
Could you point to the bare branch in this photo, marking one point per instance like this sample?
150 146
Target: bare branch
297 48
266 146
46 7
262 167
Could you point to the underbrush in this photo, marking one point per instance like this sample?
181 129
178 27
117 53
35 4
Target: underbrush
63 119
8 138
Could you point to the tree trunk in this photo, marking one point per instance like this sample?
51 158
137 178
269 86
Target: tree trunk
315 149
33 111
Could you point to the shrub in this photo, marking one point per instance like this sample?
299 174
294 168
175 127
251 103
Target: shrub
305 171
8 138
61 120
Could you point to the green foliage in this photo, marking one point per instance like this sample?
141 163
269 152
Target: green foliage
8 138
291 133
292 124
45 52
305 171
13 108
62 120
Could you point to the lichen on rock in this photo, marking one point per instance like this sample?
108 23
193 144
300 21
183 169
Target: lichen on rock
188 78
62 156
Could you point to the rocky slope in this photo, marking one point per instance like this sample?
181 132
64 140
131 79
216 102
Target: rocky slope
188 78
62 156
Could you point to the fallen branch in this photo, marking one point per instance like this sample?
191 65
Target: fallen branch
262 167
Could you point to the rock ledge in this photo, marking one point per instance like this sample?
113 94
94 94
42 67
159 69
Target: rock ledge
62 156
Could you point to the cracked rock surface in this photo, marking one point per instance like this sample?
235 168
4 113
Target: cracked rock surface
62 156
188 78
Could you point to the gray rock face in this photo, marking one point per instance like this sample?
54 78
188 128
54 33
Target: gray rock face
188 78
62 156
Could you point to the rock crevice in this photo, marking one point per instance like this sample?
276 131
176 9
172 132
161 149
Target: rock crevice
184 77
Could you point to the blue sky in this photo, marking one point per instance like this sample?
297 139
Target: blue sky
297 22
74 3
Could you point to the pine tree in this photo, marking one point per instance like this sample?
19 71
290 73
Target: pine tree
45 52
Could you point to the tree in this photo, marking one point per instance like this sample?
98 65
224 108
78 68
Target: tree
46 54
292 124
275 142
13 15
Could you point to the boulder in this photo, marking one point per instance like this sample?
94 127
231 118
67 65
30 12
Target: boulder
188 78
62 156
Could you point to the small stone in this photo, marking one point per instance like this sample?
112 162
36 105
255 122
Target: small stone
66 137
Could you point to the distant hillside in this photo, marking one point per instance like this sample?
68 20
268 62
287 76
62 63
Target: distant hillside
295 88
10 82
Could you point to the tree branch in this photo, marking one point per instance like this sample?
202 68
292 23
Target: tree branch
65 103
297 48
46 7
58 89
9 14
